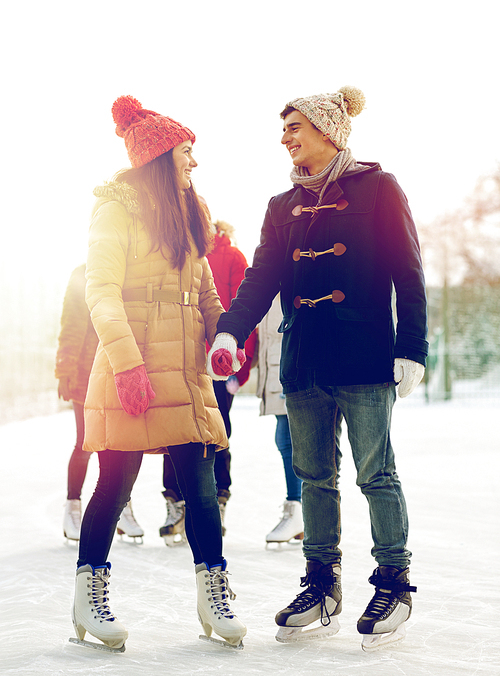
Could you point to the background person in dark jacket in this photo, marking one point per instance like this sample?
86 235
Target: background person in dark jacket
335 246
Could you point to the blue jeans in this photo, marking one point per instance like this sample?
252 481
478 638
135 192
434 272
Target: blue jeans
284 444
315 416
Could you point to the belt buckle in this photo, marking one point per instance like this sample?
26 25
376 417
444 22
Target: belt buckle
185 298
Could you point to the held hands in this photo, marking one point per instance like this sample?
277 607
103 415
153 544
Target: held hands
224 358
407 374
232 385
134 390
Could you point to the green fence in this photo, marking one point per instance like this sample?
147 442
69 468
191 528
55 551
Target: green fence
464 337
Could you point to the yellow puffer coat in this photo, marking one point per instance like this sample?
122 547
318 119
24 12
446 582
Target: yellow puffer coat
168 337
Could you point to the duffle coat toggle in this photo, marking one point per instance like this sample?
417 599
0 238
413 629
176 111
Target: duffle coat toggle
337 250
336 296
339 206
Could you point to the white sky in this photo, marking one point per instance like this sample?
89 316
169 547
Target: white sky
429 71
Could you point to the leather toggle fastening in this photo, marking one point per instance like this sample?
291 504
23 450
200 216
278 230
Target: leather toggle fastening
336 296
337 250
339 206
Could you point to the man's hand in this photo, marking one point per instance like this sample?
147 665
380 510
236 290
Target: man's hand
407 374
224 358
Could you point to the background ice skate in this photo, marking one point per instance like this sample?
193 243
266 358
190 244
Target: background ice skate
448 457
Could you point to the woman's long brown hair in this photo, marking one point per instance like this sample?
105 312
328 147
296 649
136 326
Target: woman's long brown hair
173 218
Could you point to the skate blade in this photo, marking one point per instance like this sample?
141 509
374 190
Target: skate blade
225 644
174 540
283 544
294 634
136 539
97 646
372 642
70 541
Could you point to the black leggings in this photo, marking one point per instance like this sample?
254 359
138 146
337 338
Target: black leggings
77 466
194 468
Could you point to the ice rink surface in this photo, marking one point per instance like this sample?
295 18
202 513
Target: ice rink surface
448 459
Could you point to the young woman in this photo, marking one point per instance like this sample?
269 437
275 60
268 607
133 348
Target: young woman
153 304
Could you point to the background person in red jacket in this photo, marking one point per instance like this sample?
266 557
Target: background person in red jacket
228 266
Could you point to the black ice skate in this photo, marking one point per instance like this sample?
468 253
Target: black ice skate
383 620
322 600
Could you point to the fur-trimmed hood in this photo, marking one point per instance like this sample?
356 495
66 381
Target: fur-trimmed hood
117 192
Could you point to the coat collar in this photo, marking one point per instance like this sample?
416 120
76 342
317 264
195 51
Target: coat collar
119 192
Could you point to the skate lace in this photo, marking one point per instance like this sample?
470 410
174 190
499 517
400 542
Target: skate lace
315 593
99 594
382 603
221 591
75 516
287 514
387 594
174 512
128 516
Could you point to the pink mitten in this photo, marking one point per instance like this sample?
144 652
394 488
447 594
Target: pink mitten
134 390
222 361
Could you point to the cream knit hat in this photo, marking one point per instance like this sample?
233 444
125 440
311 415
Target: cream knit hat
330 113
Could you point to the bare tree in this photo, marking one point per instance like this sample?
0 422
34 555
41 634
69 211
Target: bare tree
463 246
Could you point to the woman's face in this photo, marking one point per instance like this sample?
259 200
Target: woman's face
184 163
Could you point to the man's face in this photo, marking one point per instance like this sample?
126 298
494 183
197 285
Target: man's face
306 144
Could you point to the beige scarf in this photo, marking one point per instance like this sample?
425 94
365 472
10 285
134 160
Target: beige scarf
342 162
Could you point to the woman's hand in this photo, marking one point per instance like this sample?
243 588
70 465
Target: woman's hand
134 390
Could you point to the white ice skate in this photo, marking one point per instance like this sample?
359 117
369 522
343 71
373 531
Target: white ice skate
91 612
72 519
291 526
314 612
214 612
382 623
172 531
127 525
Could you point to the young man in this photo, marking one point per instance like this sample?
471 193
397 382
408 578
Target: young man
334 246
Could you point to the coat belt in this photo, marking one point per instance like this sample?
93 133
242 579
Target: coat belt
151 295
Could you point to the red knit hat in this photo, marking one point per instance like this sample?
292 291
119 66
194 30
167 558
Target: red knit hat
147 134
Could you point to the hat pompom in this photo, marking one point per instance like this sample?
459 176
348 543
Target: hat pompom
354 100
125 111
